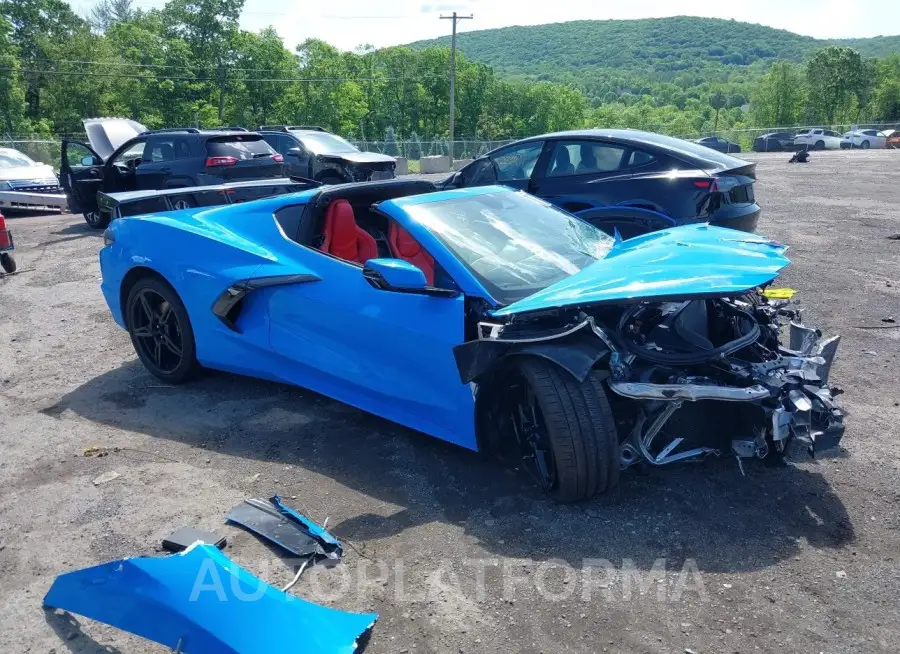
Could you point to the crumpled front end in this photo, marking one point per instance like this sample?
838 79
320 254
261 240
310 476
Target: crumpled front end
700 377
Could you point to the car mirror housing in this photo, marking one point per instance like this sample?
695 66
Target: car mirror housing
87 160
294 152
395 275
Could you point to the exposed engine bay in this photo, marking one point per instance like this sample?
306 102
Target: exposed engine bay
688 379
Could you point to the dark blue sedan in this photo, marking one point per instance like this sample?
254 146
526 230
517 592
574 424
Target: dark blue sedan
623 179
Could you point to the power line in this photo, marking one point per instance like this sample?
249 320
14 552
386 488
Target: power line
78 73
125 64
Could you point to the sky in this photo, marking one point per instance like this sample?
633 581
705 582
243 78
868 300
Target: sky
350 23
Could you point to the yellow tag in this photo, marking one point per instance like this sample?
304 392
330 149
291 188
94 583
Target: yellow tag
779 293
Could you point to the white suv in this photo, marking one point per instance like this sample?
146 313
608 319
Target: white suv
817 139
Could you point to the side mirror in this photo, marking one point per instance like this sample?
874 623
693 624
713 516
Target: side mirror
87 160
294 152
395 275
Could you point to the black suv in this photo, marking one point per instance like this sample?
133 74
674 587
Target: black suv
124 156
313 153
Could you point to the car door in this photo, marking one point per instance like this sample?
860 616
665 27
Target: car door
586 173
80 175
511 166
159 163
296 157
385 352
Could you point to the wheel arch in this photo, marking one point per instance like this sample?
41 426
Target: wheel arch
577 357
131 278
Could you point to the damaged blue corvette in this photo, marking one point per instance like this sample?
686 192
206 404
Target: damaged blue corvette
488 318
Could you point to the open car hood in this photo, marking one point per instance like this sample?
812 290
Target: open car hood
105 135
677 263
360 157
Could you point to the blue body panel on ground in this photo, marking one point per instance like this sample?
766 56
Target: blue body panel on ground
201 602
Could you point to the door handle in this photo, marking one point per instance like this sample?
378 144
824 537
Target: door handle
165 170
94 173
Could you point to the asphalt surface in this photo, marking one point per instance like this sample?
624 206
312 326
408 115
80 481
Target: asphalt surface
455 553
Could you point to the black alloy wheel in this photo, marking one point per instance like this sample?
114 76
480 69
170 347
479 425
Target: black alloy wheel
96 219
530 431
160 330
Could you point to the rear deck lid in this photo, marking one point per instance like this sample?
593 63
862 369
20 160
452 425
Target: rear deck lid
672 264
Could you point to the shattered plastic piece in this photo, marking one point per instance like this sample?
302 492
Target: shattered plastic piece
105 477
201 602
779 293
183 537
286 528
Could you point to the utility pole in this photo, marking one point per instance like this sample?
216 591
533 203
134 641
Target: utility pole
455 19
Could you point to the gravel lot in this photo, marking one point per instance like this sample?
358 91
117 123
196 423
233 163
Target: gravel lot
456 554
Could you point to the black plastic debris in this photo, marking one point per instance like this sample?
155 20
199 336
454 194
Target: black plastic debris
290 530
184 537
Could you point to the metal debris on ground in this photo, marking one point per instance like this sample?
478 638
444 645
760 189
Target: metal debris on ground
184 537
288 529
196 601
105 477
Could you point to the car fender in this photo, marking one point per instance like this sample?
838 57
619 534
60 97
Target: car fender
575 354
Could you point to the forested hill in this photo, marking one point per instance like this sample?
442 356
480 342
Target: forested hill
652 49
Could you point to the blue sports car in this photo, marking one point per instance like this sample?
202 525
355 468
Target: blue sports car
485 317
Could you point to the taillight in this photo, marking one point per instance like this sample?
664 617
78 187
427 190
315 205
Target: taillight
702 183
278 158
5 241
220 161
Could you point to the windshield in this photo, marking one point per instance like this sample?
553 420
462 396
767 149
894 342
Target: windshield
513 243
325 143
14 159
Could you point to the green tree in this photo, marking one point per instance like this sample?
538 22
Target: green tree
718 100
834 76
37 26
390 143
414 149
778 96
107 13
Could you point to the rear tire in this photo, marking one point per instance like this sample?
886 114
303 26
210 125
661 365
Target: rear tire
96 219
575 430
820 145
8 262
161 331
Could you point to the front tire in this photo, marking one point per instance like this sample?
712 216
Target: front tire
7 262
564 429
96 219
161 331
820 145
865 145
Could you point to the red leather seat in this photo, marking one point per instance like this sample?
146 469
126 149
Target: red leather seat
344 238
405 247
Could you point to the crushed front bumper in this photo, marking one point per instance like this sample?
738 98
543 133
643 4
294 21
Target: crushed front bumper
792 393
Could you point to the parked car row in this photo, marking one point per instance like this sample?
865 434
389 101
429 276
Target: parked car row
121 155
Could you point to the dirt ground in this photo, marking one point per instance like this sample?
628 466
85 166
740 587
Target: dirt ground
454 553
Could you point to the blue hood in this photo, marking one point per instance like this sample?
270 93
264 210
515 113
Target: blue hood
677 263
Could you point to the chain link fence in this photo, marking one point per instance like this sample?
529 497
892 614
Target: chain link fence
47 150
